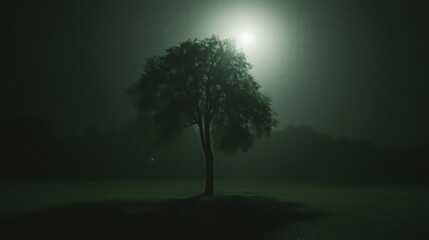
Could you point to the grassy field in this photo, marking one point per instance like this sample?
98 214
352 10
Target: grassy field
344 211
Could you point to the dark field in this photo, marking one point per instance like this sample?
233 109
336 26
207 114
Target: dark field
241 210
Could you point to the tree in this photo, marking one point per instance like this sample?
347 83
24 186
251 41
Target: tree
204 83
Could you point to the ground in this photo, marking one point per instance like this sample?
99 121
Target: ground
241 210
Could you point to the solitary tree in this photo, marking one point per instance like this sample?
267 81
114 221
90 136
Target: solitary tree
204 83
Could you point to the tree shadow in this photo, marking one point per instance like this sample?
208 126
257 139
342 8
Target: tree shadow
220 217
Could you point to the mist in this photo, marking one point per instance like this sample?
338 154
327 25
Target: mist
214 119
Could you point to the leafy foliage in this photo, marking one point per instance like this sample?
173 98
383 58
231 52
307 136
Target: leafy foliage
205 83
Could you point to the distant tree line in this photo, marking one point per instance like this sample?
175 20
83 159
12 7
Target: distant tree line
29 150
301 154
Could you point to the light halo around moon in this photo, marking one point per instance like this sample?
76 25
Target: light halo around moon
245 40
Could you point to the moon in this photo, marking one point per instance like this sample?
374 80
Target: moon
245 40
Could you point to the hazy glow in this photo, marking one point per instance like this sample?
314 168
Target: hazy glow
255 27
245 40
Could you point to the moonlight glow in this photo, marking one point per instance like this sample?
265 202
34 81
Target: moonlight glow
245 40
260 31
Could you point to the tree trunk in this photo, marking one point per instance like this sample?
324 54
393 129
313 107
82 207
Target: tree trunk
209 186
208 155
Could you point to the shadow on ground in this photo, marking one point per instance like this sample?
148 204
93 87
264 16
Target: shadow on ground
223 217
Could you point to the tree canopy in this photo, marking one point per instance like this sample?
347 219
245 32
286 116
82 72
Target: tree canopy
205 83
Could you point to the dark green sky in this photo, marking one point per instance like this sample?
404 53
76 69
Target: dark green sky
347 68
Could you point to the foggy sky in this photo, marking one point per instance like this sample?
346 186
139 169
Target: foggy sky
347 68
